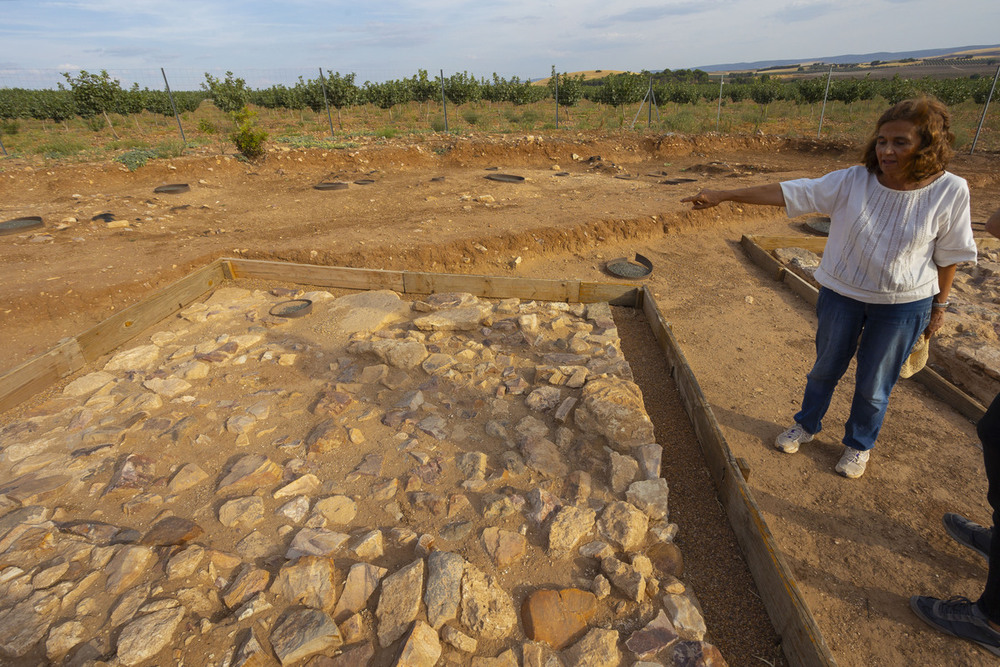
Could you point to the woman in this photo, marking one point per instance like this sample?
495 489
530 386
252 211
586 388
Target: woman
898 226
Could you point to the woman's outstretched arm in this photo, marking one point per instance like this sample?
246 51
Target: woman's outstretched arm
767 195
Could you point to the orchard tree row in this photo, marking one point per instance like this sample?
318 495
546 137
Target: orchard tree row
89 95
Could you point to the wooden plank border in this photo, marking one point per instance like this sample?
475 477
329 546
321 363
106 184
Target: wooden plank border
119 328
37 374
755 246
418 282
313 274
802 642
71 354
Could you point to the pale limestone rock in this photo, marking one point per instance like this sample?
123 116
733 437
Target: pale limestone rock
399 602
188 476
541 454
302 633
444 586
88 384
458 639
244 513
306 484
251 472
127 566
598 648
685 616
315 542
653 638
127 605
467 318
601 587
310 581
625 578
612 406
543 398
504 547
487 609
248 582
135 359
365 311
64 637
421 648
568 527
624 470
146 636
362 580
624 525
650 459
168 387
295 509
367 546
405 354
23 625
651 496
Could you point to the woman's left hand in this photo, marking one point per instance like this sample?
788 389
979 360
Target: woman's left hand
937 319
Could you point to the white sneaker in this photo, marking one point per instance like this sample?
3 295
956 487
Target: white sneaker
853 462
789 441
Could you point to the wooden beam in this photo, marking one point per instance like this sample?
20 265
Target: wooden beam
119 328
802 642
801 287
617 294
35 375
968 406
762 258
313 274
815 244
497 287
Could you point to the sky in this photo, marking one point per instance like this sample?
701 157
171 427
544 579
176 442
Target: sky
273 42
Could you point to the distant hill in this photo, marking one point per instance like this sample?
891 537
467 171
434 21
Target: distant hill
955 52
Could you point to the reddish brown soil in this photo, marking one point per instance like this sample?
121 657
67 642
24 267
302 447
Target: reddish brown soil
859 548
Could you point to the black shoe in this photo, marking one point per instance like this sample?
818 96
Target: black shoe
968 533
959 617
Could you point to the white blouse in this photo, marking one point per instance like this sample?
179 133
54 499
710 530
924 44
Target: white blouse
885 245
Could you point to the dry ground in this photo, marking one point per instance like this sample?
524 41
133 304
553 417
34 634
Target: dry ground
859 548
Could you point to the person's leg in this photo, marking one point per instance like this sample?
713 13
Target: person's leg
840 324
989 434
890 332
976 621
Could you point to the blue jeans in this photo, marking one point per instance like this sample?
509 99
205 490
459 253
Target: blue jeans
882 335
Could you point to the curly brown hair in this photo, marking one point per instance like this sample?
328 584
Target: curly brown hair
934 127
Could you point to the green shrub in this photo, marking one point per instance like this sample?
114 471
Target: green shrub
127 144
205 126
95 123
10 127
170 148
471 116
298 141
249 138
135 158
386 132
437 123
61 147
